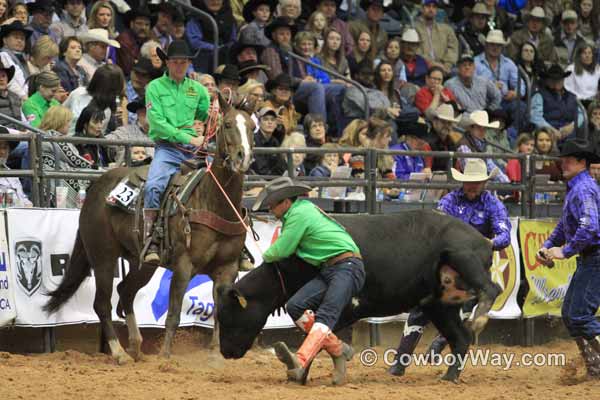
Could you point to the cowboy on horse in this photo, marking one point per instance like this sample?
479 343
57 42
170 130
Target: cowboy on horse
176 108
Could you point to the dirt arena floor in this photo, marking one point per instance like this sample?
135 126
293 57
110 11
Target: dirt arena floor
194 373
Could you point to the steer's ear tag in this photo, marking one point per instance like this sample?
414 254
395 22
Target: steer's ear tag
243 301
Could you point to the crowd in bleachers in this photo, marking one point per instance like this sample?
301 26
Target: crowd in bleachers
438 75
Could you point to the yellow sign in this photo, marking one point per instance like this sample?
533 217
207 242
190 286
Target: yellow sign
504 273
547 286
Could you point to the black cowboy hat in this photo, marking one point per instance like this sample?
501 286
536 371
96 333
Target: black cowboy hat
281 80
249 66
177 49
280 22
41 5
579 148
277 190
144 66
136 104
555 71
239 46
364 4
230 72
253 5
165 7
10 71
134 13
15 26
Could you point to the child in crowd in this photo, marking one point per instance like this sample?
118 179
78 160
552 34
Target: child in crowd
328 162
293 140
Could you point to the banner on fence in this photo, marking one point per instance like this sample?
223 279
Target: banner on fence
8 310
547 286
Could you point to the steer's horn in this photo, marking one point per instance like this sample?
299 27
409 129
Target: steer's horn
240 297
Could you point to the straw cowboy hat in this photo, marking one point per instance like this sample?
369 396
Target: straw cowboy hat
496 36
579 148
537 12
411 36
480 118
98 35
445 112
481 9
277 190
475 171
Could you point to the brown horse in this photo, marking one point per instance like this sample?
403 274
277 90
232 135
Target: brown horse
107 233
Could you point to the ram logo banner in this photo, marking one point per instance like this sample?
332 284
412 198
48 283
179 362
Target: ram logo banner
29 265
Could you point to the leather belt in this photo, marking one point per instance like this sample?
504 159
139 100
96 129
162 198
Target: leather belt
341 257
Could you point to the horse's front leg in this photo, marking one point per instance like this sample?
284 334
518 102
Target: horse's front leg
181 278
224 275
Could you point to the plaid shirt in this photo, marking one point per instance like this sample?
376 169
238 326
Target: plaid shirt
578 226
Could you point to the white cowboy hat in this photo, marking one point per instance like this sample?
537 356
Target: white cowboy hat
496 36
481 9
475 171
537 12
411 36
98 35
480 118
445 112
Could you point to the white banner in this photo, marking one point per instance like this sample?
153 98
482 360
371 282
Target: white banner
8 310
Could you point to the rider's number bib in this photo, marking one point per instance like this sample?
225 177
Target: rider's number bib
123 194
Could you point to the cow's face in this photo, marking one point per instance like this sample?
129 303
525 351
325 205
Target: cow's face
240 321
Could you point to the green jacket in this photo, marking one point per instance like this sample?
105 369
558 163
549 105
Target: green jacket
35 107
172 108
311 235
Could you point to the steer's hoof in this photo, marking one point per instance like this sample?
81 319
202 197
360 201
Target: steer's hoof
397 369
450 377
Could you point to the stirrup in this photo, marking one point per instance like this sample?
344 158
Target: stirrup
150 254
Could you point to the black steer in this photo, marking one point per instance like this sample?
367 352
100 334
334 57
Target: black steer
402 254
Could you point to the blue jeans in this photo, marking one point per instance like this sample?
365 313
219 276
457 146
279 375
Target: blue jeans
330 292
583 298
166 162
312 95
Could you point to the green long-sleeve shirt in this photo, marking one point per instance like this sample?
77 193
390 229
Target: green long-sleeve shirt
311 235
172 108
35 107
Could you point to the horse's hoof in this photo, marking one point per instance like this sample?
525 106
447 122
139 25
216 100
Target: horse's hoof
478 324
450 378
137 354
123 359
164 354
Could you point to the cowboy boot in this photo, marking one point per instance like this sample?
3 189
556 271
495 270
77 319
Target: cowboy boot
246 261
151 257
298 364
339 351
406 348
590 357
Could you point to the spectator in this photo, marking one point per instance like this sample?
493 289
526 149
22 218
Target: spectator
10 102
500 140
379 135
18 12
95 42
163 23
43 53
332 54
553 107
280 31
567 38
534 32
14 38
46 85
316 25
10 182
413 139
443 135
209 83
545 146
472 92
593 112
72 20
315 130
135 131
291 141
363 52
41 17
4 11
148 50
290 9
439 44
585 73
305 44
60 155
474 142
106 85
416 66
355 135
257 14
267 164
142 73
70 73
254 94
589 22
201 39
329 8
281 90
374 13
252 70
228 81
530 61
243 51
525 144
89 124
132 39
552 8
327 163
472 34
433 94
178 30
102 17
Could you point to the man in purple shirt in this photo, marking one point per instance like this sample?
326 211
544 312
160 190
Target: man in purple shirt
578 233
483 211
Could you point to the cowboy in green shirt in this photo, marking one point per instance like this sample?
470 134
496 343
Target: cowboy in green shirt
322 242
48 84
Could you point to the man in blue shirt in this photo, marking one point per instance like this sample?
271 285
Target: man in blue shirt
483 211
578 233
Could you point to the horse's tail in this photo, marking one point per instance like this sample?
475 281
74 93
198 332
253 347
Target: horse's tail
77 269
